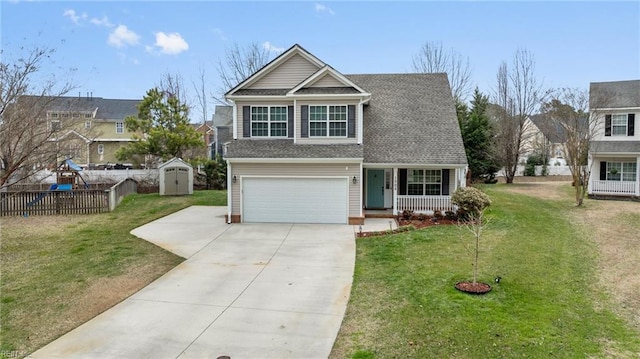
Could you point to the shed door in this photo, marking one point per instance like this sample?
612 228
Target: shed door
170 181
182 181
295 200
176 181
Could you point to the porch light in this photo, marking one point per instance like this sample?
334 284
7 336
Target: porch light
235 178
354 180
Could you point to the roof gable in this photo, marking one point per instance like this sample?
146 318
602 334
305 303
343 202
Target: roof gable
285 71
326 78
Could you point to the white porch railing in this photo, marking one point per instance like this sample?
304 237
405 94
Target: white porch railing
424 203
613 187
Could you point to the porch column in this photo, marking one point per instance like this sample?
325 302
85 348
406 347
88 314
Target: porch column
638 176
395 191
590 161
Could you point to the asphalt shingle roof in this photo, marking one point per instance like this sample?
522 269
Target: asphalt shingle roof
614 94
410 119
285 148
108 109
615 146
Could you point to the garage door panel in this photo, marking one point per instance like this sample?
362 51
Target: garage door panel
295 200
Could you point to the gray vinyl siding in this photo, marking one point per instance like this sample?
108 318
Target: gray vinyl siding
298 170
287 75
327 140
327 81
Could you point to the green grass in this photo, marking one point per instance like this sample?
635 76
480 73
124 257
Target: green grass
50 264
404 305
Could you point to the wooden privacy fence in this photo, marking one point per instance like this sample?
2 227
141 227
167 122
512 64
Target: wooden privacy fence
56 202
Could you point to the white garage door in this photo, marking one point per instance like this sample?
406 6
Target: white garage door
294 200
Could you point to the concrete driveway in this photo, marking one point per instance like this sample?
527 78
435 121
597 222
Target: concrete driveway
245 291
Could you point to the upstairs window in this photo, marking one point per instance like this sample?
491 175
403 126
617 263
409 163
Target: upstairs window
424 182
119 127
88 115
328 121
53 115
619 125
269 121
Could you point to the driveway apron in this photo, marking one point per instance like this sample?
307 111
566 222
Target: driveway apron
245 291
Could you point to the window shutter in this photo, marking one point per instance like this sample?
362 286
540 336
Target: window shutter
445 182
603 170
304 121
246 121
402 181
607 125
290 120
351 121
631 119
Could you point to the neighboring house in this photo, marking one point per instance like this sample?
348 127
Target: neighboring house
223 125
311 145
91 129
544 134
207 132
614 155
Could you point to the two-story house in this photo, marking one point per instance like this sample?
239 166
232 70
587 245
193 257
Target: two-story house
90 129
311 145
614 155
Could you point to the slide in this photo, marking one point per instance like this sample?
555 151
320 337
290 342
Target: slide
42 195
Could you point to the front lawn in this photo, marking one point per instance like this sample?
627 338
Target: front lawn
549 303
60 271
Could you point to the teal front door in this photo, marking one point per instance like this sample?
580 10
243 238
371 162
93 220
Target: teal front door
375 188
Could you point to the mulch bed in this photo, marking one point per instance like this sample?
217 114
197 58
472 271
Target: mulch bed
473 288
416 222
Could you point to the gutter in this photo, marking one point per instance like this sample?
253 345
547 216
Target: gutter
229 189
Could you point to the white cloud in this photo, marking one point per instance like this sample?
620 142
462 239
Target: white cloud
101 22
171 44
272 48
121 36
75 18
320 9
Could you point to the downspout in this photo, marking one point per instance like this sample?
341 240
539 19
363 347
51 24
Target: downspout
361 118
295 111
235 119
229 189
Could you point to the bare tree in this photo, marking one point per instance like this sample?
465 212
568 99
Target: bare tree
433 58
201 95
238 64
173 85
519 95
28 138
569 109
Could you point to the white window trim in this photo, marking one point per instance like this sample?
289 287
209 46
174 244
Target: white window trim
613 126
121 127
621 171
327 122
269 122
424 182
59 125
87 124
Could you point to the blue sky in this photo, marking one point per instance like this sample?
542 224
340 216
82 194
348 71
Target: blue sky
120 49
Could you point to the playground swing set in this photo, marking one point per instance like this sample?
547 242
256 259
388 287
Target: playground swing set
68 178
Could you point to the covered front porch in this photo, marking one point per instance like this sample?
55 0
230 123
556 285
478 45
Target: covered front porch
388 191
615 176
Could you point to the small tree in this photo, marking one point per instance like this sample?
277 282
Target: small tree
27 91
161 128
473 203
